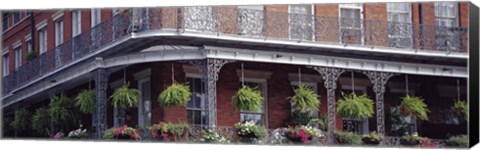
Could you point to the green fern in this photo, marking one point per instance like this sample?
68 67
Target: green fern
175 95
414 107
355 107
41 121
85 101
125 97
247 99
21 121
460 109
61 109
305 99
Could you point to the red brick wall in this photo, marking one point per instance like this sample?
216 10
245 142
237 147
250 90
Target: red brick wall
227 85
277 21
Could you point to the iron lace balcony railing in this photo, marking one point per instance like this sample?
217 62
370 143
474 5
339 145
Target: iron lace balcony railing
243 23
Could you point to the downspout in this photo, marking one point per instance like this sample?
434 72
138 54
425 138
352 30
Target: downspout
421 21
32 25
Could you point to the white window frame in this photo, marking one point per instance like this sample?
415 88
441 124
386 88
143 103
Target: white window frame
19 18
202 96
365 121
144 77
76 22
5 63
409 21
265 96
29 42
312 10
42 40
59 31
96 16
17 49
455 18
358 6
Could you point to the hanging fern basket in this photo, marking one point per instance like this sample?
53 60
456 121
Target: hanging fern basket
41 121
460 109
86 101
248 99
414 107
21 121
125 97
305 99
176 94
60 109
355 107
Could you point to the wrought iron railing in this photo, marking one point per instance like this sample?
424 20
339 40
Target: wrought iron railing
244 23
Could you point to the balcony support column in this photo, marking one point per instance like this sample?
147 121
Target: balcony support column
51 95
209 69
379 80
101 80
330 77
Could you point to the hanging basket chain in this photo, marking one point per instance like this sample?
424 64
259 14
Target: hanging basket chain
458 89
173 74
125 76
243 76
299 76
353 82
406 85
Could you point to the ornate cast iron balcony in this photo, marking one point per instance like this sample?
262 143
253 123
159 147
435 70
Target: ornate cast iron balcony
243 23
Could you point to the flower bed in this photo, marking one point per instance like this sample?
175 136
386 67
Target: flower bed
298 134
170 132
249 132
126 133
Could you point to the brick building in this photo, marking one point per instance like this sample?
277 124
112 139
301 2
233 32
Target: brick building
376 48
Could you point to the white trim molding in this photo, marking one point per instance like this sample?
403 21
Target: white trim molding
57 15
41 25
17 44
28 37
5 51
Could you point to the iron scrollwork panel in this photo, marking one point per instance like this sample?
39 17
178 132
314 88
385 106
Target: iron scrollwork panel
101 80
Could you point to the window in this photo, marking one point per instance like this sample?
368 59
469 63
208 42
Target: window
355 125
95 15
446 14
196 108
301 22
351 24
18 57
29 46
400 27
16 17
312 85
5 64
4 22
58 32
76 22
258 117
42 40
251 20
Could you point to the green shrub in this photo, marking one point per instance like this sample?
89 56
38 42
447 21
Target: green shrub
175 95
348 138
247 99
460 109
41 121
414 107
458 141
108 134
86 101
305 99
355 107
60 109
411 140
125 97
371 139
21 121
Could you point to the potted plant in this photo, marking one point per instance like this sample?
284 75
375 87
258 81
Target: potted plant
349 138
248 132
458 141
21 121
371 139
176 94
460 109
414 107
60 110
86 101
355 107
31 56
170 131
125 133
305 99
247 99
108 134
41 119
78 134
210 136
302 134
125 97
411 140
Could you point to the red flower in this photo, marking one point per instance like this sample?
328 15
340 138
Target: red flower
428 143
